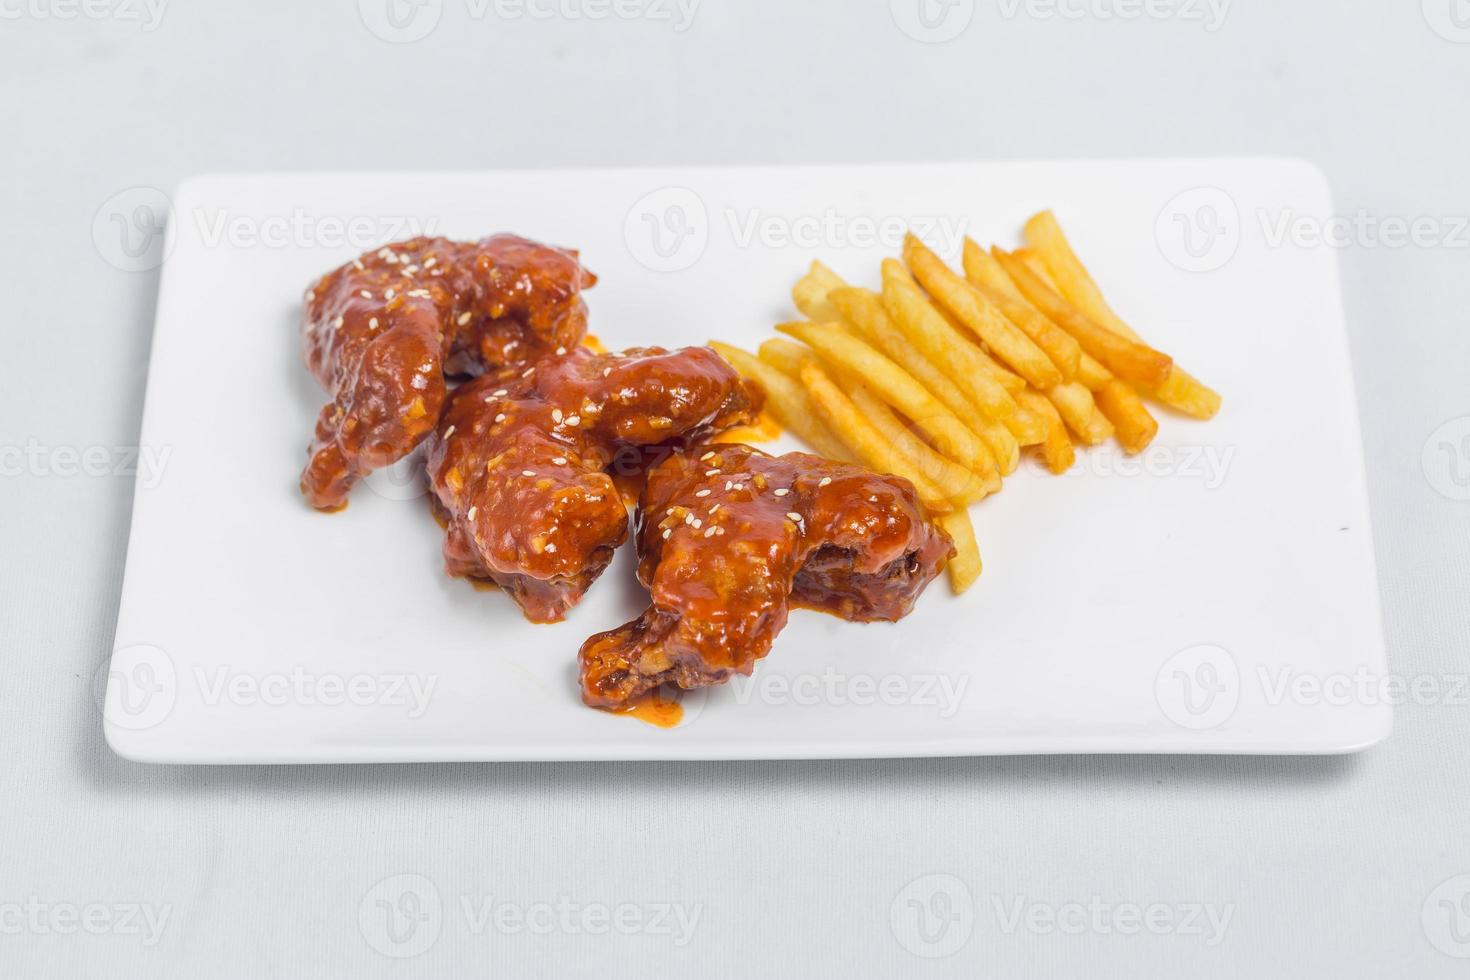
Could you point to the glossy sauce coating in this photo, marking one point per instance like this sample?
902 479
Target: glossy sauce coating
382 331
519 464
729 537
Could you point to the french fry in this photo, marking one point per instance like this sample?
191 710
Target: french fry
1179 390
896 386
1010 344
943 344
960 485
786 400
1133 424
964 567
1128 360
786 356
824 276
1056 448
863 308
840 415
991 281
1081 413
809 296
894 270
1116 399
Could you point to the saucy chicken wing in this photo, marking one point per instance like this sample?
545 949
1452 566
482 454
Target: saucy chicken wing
382 331
729 536
519 462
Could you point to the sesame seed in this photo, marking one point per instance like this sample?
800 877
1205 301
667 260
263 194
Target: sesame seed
706 456
463 319
824 481
794 516
499 393
574 420
449 432
712 473
500 417
373 323
429 262
713 508
389 294
606 371
556 415
668 531
560 461
561 350
528 472
358 264
338 323
688 518
739 486
470 514
719 530
728 484
702 493
528 372
697 523
783 491
711 532
551 549
365 294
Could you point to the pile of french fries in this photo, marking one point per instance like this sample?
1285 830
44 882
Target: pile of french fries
944 376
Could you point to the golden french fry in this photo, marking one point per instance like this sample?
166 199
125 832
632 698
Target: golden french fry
1056 449
981 269
863 308
810 297
825 277
1179 390
1081 413
893 269
786 400
842 417
984 273
964 567
1010 344
943 344
1131 420
897 387
960 485
1034 262
1128 360
786 356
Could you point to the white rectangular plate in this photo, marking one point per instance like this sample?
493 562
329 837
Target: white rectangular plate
1190 600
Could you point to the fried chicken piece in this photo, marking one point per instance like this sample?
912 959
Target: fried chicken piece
383 330
519 464
728 536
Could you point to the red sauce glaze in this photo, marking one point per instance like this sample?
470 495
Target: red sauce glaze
382 331
729 537
520 462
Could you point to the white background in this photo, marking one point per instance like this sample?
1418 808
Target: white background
1343 866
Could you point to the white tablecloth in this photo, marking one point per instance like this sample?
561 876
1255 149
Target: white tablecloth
1117 867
